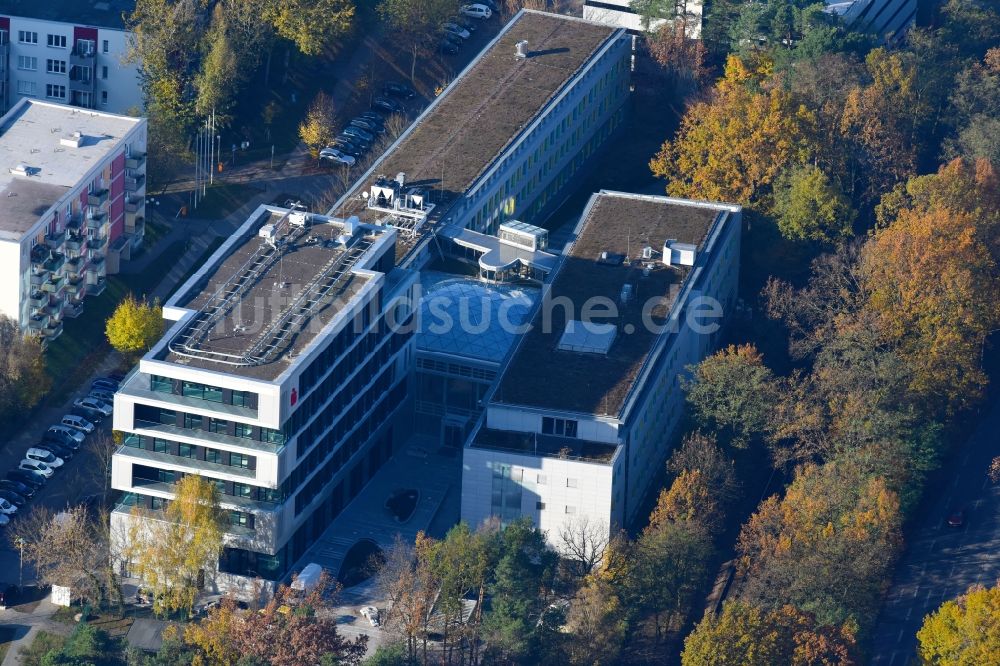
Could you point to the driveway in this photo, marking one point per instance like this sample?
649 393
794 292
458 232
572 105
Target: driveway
941 562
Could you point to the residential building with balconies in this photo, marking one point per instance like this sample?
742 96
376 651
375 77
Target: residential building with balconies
68 51
281 377
67 181
582 418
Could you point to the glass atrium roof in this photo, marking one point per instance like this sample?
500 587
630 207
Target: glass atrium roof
467 317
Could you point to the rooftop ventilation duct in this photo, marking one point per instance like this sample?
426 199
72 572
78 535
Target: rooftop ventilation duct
679 254
74 140
522 48
21 170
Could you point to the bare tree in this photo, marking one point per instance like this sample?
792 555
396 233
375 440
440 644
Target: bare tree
103 446
582 541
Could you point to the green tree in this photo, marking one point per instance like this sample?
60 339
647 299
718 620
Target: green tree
747 635
135 326
87 645
809 206
172 552
23 378
732 394
311 25
962 631
415 23
319 127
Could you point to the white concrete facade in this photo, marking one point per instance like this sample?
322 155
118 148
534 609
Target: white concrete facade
80 65
619 14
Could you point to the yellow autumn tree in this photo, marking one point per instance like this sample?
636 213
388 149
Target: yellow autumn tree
175 552
318 128
733 146
964 630
935 284
134 326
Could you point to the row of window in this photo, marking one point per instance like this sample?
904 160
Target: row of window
30 89
58 41
561 427
321 365
192 451
205 392
178 419
143 474
234 518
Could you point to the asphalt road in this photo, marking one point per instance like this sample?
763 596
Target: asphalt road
941 562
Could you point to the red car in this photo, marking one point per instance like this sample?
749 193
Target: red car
956 518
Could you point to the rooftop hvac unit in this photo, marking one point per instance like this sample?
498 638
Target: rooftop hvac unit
522 48
74 140
21 170
267 232
351 224
298 219
647 252
679 254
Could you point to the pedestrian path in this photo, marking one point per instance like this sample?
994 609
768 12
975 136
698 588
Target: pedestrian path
37 620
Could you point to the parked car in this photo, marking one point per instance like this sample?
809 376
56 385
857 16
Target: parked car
27 478
492 4
78 422
368 126
956 518
455 29
93 403
60 438
9 485
396 89
351 130
103 396
72 433
36 466
373 116
466 23
45 456
370 613
104 384
447 47
6 507
476 11
347 148
91 415
455 40
334 155
389 105
56 449
356 140
14 498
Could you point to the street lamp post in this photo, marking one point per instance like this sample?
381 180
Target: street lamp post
19 542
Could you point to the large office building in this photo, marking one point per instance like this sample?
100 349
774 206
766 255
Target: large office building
68 51
889 19
282 373
505 139
580 422
72 202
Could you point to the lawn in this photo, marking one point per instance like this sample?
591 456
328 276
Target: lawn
45 642
71 357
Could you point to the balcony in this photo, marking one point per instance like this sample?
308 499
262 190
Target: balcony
75 285
38 299
97 268
52 331
54 263
38 322
135 161
76 243
55 240
135 205
97 287
82 56
75 266
135 183
53 284
38 278
98 198
75 222
97 220
73 310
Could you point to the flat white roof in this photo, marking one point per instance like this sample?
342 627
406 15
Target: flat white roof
589 337
30 135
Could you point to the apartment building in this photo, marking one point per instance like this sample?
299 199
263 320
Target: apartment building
583 415
281 377
67 51
505 139
72 206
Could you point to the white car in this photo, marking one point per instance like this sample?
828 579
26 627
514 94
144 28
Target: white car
335 155
370 613
457 30
6 508
93 403
476 11
72 433
36 466
77 422
47 457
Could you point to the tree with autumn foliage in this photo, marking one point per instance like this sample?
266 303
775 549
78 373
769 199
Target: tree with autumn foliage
962 631
732 146
732 394
173 551
749 635
934 280
827 546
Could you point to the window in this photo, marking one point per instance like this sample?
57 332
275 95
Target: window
560 427
192 421
571 483
213 456
540 506
28 63
242 490
104 49
185 450
242 398
26 88
218 425
239 460
237 519
168 417
27 37
542 479
104 71
160 445
161 384
55 91
104 97
55 66
157 503
244 430
57 41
